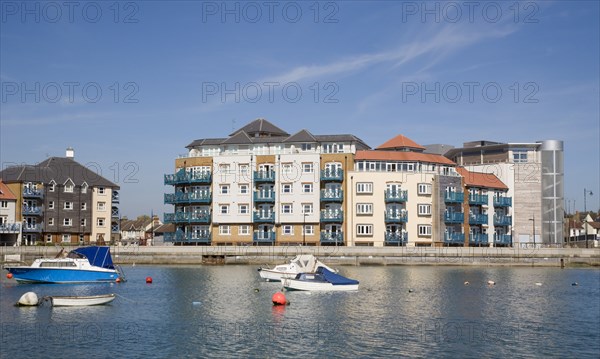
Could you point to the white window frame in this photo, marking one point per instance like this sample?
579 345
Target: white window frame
364 187
83 206
101 206
101 190
424 188
308 229
307 188
67 222
424 209
243 208
69 188
308 167
51 187
224 209
424 230
50 204
243 188
286 208
287 188
244 230
364 208
66 238
50 221
224 189
287 230
224 230
68 205
83 222
306 147
307 208
364 230
100 222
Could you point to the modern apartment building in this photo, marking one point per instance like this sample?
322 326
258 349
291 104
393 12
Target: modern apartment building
533 173
10 228
61 201
262 185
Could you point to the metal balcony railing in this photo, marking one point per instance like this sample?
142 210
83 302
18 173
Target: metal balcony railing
396 196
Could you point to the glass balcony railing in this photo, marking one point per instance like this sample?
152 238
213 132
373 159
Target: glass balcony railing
264 217
502 201
264 176
454 197
182 237
396 239
192 197
396 217
332 175
332 216
332 196
503 239
185 177
454 217
454 238
187 217
395 196
264 237
478 219
264 196
502 220
478 199
336 238
478 238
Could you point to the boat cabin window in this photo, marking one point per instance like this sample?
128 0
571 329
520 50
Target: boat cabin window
58 264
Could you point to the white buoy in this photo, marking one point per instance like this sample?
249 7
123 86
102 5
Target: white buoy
491 282
467 283
28 299
538 283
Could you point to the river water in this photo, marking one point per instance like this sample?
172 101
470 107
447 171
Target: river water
226 311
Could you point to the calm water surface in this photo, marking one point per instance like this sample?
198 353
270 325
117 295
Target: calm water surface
216 311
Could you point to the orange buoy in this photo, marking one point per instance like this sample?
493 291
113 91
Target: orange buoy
118 280
148 279
9 275
279 299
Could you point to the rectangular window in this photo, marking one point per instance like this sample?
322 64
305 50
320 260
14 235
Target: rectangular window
244 230
4 204
307 188
67 222
243 209
364 229
364 187
309 229
424 188
224 230
424 230
286 188
424 209
307 208
50 221
307 167
306 147
243 188
101 206
286 208
364 208
68 205
287 230
48 238
519 156
51 205
69 188
84 188
66 238
100 222
224 209
51 187
224 189
287 168
101 190
83 222
83 206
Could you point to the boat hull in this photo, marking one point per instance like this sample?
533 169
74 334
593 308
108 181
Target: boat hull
80 301
294 284
61 275
275 276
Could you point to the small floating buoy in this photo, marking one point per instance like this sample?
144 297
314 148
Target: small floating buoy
148 279
279 299
538 283
9 275
574 284
256 290
467 283
195 303
410 290
118 280
28 299
491 282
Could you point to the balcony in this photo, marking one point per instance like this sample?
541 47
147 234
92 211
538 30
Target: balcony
392 196
30 193
115 228
395 239
454 238
32 211
478 219
264 197
193 197
114 212
503 239
332 196
502 201
454 217
478 238
264 176
335 238
332 216
32 228
396 217
454 197
478 199
181 237
264 217
264 237
115 197
502 220
10 227
187 217
332 175
184 177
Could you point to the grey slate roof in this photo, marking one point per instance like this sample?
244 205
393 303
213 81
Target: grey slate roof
240 138
57 169
206 142
301 136
261 126
437 149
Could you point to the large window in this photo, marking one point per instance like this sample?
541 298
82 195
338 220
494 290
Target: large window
519 156
364 187
364 229
364 208
424 188
424 209
309 230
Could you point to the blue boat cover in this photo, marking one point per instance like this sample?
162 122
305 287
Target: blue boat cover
334 278
98 256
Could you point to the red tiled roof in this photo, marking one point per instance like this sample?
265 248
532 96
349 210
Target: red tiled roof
402 156
6 193
399 142
478 179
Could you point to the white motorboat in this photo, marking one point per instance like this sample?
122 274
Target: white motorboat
302 263
321 280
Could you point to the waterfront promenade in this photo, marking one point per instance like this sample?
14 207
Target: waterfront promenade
470 256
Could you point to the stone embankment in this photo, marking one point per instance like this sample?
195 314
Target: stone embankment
471 256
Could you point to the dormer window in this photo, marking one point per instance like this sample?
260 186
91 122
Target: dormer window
69 188
52 186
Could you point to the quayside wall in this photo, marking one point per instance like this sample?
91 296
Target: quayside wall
264 255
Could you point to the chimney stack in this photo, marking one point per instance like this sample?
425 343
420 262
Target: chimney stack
70 152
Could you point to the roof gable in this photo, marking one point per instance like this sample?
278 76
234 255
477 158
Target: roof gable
5 192
261 128
301 136
400 142
241 137
479 179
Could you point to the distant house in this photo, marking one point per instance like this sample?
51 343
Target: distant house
139 231
10 228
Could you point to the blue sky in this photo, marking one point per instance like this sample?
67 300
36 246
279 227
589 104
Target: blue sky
171 72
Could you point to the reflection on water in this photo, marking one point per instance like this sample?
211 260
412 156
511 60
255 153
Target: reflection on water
222 311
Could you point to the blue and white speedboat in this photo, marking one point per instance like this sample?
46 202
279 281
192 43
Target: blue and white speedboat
321 280
82 265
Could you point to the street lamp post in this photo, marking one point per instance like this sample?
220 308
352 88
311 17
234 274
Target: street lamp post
533 219
585 193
